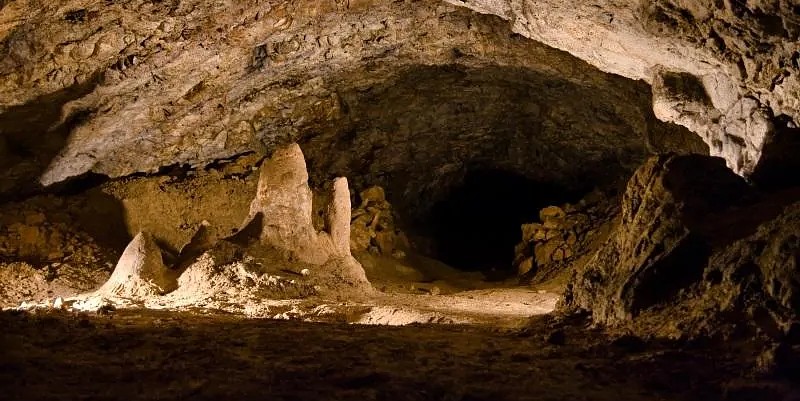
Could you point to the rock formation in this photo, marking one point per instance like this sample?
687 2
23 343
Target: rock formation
283 200
140 272
283 210
339 213
373 228
138 86
565 235
723 69
687 258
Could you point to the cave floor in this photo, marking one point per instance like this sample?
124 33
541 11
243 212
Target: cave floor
149 355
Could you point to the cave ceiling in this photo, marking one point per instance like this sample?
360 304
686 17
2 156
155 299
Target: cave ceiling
408 94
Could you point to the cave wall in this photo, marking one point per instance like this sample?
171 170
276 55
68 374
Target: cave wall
742 56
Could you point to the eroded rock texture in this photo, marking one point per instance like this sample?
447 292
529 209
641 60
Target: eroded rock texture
407 92
724 69
565 236
697 251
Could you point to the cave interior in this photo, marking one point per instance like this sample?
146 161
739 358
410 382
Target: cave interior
400 200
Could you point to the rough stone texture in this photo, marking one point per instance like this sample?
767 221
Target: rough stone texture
283 211
723 69
373 228
759 276
660 245
124 87
140 272
173 208
564 236
339 213
284 202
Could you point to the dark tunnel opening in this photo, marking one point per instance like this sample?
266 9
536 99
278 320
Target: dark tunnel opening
476 227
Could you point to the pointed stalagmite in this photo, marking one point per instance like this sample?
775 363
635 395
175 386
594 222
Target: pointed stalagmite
140 271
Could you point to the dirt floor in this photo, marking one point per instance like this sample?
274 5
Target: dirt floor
149 355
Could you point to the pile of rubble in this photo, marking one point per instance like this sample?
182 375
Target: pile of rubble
565 235
373 228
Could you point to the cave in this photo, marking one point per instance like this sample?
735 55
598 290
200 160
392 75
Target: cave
399 200
477 225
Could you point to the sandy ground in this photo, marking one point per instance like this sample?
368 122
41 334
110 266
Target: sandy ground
150 355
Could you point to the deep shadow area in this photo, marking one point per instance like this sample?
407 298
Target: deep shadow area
32 134
146 355
779 166
417 131
476 226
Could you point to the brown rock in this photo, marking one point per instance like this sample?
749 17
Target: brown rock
551 213
525 266
660 246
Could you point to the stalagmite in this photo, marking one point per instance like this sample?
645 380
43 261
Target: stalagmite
339 218
140 271
284 200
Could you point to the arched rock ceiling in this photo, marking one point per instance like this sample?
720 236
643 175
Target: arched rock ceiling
119 87
744 55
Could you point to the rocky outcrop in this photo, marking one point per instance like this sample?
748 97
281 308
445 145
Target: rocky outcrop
140 272
697 252
565 235
723 69
660 245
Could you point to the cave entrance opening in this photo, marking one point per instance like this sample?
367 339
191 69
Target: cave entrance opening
476 226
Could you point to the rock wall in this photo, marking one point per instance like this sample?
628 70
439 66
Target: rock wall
697 252
723 69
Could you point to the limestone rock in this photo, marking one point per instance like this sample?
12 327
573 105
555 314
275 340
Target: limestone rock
759 275
137 86
551 213
373 227
710 43
567 234
284 201
661 245
338 214
140 272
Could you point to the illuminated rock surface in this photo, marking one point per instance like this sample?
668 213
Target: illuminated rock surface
380 162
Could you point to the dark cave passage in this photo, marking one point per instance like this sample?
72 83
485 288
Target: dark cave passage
477 225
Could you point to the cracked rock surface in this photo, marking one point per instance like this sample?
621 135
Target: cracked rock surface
724 69
117 88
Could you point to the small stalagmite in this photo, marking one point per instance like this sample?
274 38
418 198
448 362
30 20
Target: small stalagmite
338 215
140 271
